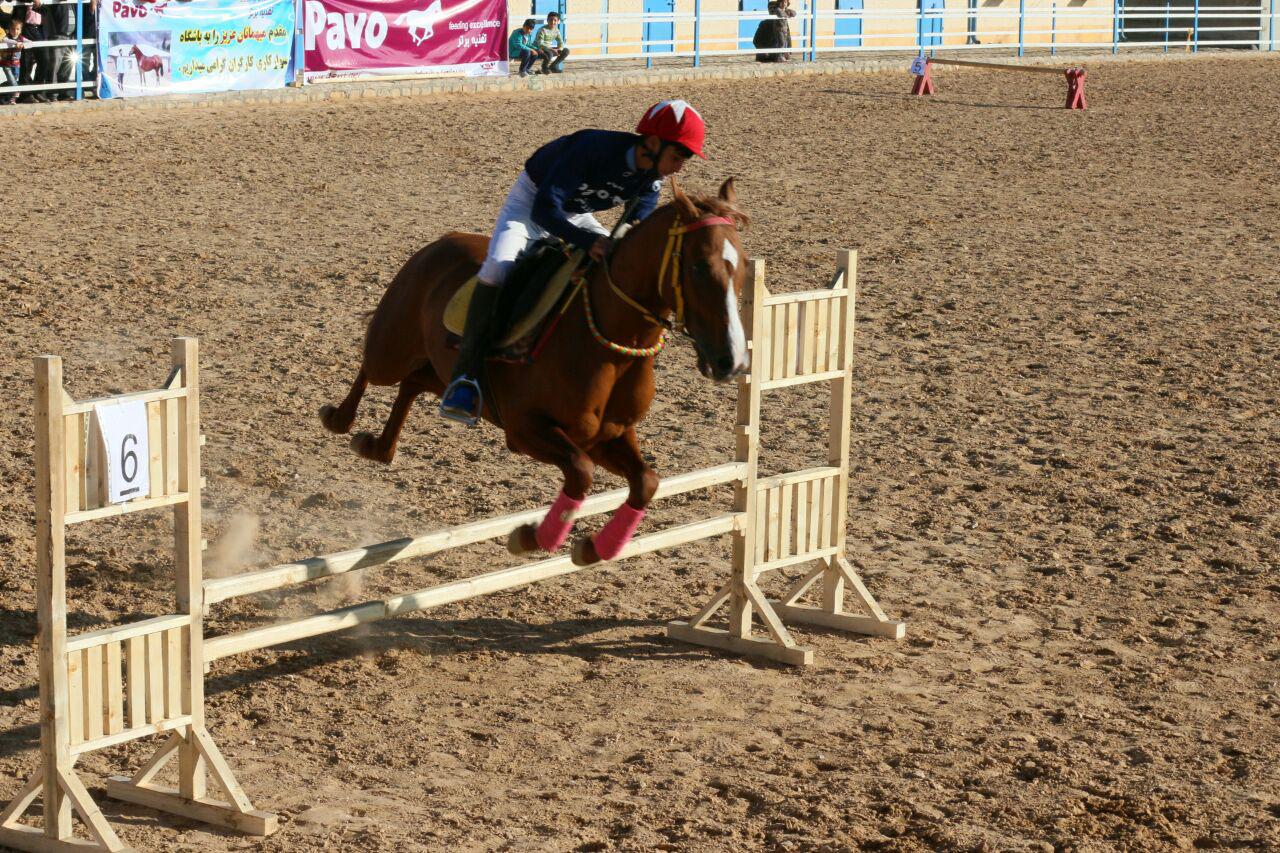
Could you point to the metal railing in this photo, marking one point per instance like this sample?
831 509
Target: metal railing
694 31
691 30
73 58
698 30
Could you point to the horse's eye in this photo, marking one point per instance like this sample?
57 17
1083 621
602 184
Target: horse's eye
701 268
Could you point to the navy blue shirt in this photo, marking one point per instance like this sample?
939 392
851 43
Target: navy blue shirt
586 172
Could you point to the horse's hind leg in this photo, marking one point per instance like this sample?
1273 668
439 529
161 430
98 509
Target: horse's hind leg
340 418
383 448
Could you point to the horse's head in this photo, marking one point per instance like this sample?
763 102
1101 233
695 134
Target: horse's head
713 267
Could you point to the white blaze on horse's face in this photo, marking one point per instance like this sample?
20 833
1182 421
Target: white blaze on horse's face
737 337
730 255
723 268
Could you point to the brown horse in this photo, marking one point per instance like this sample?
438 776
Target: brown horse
578 405
148 63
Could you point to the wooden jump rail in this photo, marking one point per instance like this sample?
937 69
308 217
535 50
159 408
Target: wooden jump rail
1075 76
111 686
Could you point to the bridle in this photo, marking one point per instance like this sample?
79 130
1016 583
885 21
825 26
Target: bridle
671 256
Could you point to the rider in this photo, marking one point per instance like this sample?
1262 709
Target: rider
563 183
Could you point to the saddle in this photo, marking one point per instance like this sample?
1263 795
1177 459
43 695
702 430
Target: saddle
537 284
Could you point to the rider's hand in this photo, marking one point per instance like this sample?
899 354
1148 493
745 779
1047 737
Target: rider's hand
600 248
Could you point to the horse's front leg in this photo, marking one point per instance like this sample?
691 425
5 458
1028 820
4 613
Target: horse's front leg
620 456
550 444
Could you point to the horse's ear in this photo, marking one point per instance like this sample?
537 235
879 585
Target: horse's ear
728 193
685 209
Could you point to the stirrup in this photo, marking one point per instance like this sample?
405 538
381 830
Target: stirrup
454 410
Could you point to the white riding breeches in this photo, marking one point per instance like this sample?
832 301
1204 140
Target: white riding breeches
516 230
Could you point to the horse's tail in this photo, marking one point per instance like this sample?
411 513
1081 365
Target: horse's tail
399 22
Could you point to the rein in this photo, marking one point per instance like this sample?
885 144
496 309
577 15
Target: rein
670 258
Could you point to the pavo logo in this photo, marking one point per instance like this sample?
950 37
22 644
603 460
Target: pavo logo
421 22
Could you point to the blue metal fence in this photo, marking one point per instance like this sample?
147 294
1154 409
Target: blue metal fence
673 30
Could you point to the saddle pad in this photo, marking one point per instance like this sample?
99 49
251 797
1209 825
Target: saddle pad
455 313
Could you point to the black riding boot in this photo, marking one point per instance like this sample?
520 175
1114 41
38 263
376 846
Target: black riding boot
462 399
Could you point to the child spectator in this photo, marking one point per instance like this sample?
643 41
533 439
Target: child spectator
520 46
11 56
551 43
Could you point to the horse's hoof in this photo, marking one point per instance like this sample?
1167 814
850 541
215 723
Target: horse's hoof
523 540
365 444
328 417
584 552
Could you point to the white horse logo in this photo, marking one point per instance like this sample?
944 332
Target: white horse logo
420 22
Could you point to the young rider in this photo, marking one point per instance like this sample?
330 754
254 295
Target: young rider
563 183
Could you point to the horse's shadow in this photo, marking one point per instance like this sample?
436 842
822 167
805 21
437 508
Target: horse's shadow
441 638
21 625
437 638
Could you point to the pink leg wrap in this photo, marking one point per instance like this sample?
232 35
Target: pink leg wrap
554 529
614 536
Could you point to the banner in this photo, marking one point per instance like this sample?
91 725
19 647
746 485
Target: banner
346 38
183 46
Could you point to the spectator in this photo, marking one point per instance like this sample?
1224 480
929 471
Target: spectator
11 56
520 46
33 58
775 34
550 43
60 24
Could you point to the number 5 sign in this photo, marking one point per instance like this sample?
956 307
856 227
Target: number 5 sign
124 436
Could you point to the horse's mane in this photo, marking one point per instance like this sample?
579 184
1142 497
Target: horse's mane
716 206
710 205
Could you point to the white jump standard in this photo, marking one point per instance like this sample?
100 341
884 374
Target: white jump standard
108 687
120 683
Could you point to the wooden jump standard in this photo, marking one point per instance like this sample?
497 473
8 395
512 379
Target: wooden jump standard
1075 76
114 685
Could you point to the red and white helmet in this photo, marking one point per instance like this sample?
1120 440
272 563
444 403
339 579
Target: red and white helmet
675 121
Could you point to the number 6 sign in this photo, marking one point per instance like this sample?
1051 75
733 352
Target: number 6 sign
124 437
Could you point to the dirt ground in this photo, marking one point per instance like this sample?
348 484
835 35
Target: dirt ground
1066 473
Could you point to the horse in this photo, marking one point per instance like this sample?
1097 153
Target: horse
577 405
148 63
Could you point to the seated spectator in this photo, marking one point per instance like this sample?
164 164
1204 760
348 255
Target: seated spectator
520 46
551 43
775 33
11 58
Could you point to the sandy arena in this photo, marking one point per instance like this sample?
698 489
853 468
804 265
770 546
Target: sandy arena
1066 475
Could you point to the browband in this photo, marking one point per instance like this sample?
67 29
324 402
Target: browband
707 221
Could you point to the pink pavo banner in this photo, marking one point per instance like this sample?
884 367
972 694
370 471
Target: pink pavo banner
345 38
